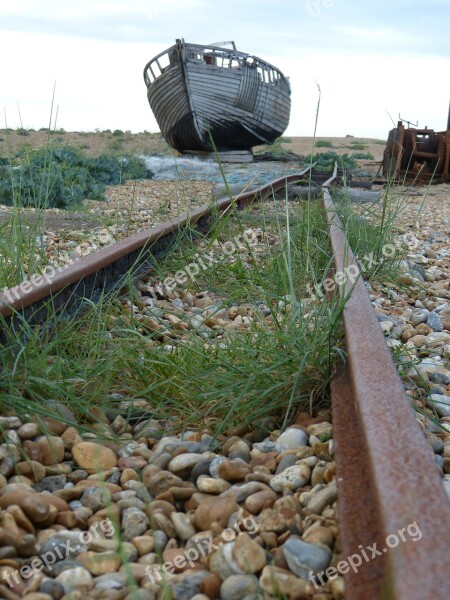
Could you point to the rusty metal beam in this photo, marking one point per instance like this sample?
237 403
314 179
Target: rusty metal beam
387 478
96 271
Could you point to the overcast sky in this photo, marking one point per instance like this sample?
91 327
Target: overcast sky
371 58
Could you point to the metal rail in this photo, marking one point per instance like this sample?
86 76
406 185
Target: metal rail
107 268
387 478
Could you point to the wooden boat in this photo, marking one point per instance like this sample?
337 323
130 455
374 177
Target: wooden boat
197 92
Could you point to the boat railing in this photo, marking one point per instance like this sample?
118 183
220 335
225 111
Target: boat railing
232 58
160 64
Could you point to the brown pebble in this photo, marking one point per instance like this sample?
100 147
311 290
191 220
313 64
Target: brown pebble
32 450
215 509
210 585
255 503
319 535
20 518
233 470
31 469
71 437
93 457
52 449
12 533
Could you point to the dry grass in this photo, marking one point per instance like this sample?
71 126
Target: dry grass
95 143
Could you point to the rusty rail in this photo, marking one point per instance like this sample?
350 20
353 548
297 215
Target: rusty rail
106 269
387 477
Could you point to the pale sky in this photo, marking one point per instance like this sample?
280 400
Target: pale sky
372 59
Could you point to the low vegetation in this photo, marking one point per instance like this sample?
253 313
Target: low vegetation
324 144
62 178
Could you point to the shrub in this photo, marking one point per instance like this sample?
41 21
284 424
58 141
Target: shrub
22 131
325 161
324 144
363 155
117 132
61 178
357 146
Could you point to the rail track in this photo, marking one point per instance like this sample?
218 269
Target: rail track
382 467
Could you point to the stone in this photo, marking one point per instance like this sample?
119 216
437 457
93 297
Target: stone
214 466
321 499
144 544
52 588
215 510
96 498
303 557
182 464
239 449
435 322
32 469
440 377
100 563
241 491
440 403
319 535
233 470
290 439
183 526
210 485
134 523
62 546
93 457
161 482
51 448
237 587
257 502
223 562
75 578
291 478
71 437
286 461
271 519
249 555
275 581
51 483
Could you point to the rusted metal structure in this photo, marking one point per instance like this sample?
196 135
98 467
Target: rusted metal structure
386 476
201 92
420 154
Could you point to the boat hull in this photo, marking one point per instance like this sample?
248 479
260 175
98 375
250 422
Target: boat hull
236 100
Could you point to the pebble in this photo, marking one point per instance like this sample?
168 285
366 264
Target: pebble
134 523
215 510
290 439
236 587
303 557
75 578
275 580
440 403
291 478
93 457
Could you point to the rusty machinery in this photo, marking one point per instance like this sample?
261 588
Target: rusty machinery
421 154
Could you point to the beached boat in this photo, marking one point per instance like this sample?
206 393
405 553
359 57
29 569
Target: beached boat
198 91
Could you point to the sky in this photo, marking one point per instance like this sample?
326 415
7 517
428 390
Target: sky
78 63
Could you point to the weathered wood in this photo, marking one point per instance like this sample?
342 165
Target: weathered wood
239 100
